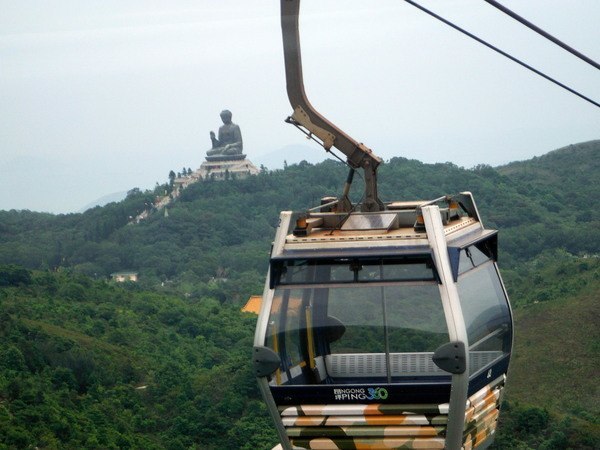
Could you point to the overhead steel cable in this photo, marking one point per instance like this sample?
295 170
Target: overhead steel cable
538 30
503 53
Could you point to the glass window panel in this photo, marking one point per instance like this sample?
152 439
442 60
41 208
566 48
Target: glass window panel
293 325
370 271
414 271
349 323
348 270
283 330
273 337
341 273
415 318
296 272
470 258
360 310
486 313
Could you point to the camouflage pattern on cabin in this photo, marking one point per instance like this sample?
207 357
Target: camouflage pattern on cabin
370 444
372 426
383 426
481 415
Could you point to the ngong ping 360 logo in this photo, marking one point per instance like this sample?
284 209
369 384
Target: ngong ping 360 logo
366 394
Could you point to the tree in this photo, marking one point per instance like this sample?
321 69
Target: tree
14 275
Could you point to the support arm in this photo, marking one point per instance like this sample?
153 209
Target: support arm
357 154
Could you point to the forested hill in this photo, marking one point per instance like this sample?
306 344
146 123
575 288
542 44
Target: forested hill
565 179
164 363
223 229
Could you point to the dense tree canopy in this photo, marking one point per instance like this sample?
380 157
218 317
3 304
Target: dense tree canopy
164 363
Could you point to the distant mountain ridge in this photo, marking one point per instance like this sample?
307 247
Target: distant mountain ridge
568 178
109 198
566 165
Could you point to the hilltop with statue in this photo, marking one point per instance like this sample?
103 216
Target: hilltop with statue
225 159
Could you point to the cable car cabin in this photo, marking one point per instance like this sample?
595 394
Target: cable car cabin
385 330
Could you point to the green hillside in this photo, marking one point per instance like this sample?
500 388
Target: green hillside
558 341
164 363
88 364
556 179
552 394
240 215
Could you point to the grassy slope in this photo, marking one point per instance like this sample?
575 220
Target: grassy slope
557 354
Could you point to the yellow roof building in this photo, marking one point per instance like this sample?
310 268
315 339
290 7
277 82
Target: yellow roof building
253 304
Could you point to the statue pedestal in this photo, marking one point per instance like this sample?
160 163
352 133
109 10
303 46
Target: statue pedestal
225 168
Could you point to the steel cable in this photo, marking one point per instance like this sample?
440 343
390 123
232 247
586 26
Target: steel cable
538 30
503 53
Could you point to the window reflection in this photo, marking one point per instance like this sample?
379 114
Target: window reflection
486 314
382 331
415 318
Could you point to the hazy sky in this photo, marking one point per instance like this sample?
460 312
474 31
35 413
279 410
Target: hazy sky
103 96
